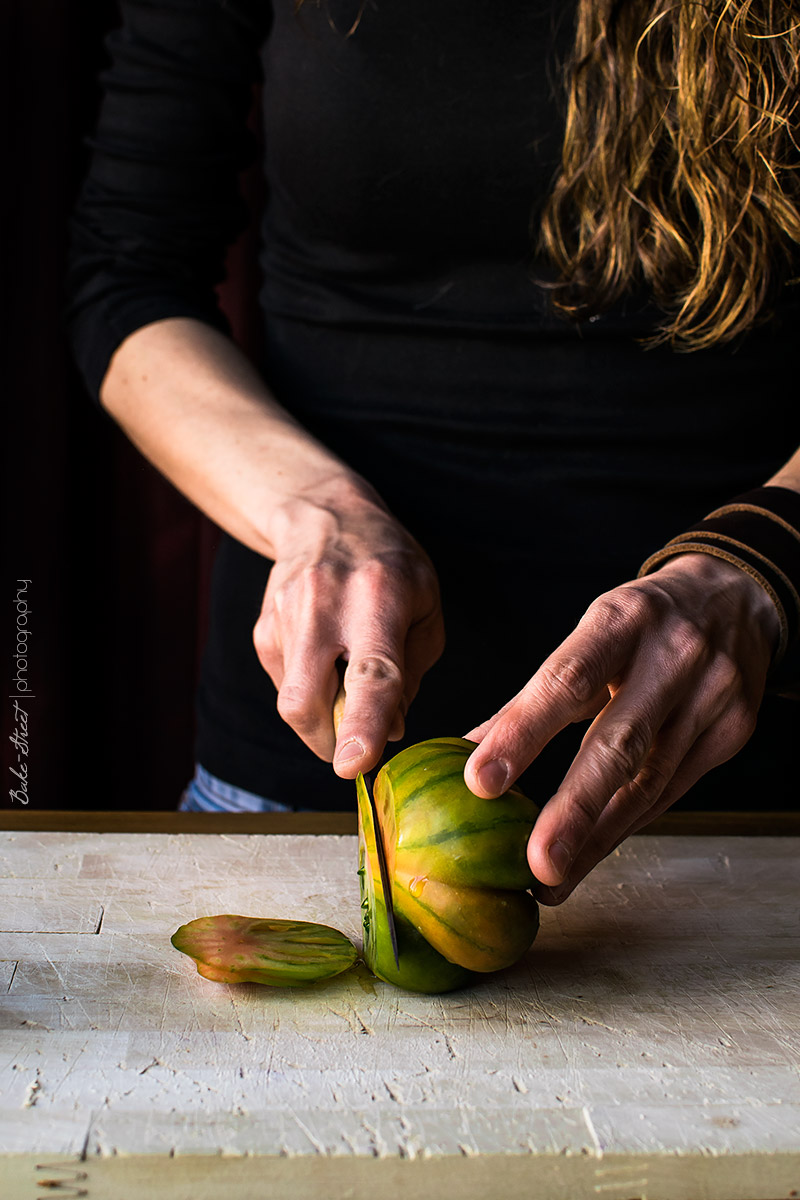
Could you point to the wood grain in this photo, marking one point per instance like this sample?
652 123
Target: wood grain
647 1046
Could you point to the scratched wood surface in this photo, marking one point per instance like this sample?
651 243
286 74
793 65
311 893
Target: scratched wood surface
647 1046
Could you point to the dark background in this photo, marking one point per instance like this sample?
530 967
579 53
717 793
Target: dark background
118 559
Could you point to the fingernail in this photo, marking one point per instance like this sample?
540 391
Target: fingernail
560 858
349 751
493 776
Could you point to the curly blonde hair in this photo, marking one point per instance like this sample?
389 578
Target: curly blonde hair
680 162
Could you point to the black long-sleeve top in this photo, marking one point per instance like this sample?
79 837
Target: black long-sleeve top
538 462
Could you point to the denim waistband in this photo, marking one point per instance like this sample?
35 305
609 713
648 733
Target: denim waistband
206 793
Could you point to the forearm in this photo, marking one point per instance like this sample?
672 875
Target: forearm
198 410
788 475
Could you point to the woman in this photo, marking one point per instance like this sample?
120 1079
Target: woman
539 337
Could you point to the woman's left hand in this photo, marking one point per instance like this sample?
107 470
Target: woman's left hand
672 668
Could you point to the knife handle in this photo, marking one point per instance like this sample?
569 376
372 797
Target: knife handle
338 708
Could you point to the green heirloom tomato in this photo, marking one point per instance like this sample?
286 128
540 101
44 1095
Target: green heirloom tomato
458 868
421 968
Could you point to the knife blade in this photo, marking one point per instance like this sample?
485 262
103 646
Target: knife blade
369 784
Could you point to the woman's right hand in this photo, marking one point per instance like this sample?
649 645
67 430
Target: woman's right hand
349 582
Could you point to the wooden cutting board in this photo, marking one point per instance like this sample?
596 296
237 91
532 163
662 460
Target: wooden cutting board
647 1046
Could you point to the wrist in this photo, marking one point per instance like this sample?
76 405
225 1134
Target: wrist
310 516
757 533
747 600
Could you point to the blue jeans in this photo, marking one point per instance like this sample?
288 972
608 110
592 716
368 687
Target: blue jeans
206 793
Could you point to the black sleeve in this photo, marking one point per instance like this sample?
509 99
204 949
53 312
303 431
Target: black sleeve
160 203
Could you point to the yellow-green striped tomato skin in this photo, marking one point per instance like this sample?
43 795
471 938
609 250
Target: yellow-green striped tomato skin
438 828
422 968
482 929
458 863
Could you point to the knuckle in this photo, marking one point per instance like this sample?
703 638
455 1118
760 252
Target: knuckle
374 669
398 574
379 574
425 643
264 643
261 639
726 676
686 644
583 815
617 610
295 708
436 648
728 735
605 610
319 579
646 787
624 748
390 565
436 642
571 677
642 605
741 725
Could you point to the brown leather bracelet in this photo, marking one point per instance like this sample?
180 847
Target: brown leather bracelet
759 532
